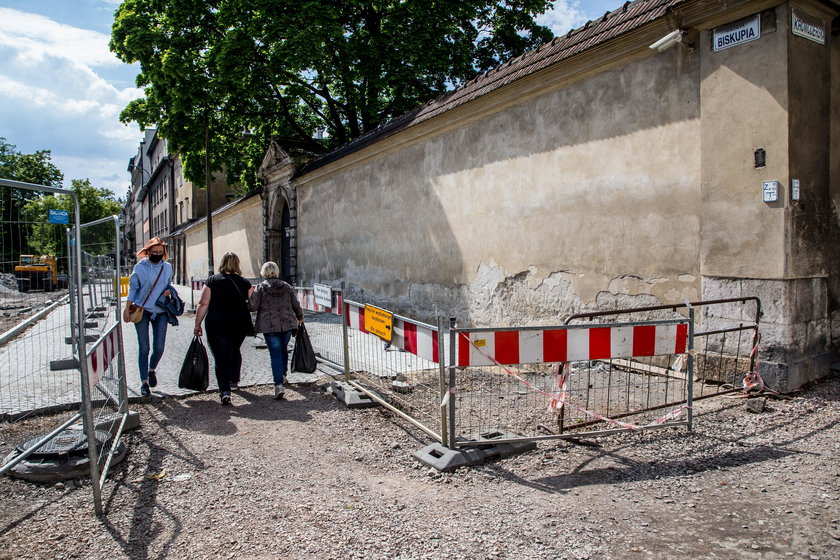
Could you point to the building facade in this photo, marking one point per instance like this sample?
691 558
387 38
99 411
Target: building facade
673 150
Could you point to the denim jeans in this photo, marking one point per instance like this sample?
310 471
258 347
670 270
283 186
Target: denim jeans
278 349
158 336
228 357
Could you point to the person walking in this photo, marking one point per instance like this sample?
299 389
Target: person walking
278 315
148 284
224 303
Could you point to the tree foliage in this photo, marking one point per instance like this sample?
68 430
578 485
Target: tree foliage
94 203
291 67
36 168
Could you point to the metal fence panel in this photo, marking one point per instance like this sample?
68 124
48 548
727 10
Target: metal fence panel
540 383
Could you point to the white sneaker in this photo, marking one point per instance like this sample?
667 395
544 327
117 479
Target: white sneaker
278 391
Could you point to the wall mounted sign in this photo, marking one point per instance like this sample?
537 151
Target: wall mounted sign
770 191
806 26
737 33
323 294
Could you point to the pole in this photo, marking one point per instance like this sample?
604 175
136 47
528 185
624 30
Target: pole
207 197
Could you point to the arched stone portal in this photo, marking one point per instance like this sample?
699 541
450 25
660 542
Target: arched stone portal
279 210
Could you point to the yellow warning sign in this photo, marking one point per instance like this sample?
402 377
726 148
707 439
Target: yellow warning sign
379 322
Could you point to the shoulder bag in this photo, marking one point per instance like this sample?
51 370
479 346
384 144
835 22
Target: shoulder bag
135 312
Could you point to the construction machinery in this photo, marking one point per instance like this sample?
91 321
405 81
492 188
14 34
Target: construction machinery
37 273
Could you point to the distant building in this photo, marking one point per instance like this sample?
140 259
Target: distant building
162 201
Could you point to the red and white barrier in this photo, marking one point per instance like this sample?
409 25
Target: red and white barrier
414 338
99 357
306 298
574 343
197 285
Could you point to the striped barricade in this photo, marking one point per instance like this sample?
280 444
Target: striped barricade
565 344
101 354
414 337
306 298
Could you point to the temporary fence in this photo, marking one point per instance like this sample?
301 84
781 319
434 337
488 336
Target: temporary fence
537 383
47 363
399 363
323 322
725 345
105 396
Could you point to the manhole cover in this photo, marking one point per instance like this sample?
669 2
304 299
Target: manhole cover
69 443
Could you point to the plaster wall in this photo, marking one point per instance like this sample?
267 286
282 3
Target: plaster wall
237 229
744 91
573 199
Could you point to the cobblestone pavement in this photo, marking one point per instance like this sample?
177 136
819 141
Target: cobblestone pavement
28 382
256 366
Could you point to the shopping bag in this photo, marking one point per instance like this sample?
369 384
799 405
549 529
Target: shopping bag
195 371
303 356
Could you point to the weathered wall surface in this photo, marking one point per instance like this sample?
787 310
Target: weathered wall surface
833 242
744 92
579 197
237 229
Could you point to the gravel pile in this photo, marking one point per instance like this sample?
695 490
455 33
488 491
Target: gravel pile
307 478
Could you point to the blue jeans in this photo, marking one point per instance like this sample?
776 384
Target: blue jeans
159 336
278 349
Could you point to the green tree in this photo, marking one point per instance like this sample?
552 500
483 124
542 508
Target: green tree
94 203
36 168
291 67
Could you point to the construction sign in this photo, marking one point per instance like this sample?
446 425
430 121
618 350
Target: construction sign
379 322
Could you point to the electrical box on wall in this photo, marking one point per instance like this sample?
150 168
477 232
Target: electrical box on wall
794 189
770 191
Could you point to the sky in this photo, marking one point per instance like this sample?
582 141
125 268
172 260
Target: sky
61 89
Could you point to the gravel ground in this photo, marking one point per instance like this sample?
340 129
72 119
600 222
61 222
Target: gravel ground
308 478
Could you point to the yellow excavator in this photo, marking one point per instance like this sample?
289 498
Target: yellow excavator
37 273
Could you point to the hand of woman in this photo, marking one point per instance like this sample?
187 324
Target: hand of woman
167 293
197 331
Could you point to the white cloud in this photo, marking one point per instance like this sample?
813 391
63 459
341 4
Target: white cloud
36 36
58 92
562 17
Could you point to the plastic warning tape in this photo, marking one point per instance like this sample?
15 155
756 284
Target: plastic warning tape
529 346
306 298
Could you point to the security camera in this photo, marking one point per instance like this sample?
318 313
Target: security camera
668 40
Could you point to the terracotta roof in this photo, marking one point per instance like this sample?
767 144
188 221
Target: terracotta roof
629 16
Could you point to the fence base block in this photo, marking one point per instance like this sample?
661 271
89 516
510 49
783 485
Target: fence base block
444 459
441 458
350 396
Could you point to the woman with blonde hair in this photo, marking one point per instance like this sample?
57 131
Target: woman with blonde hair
278 315
148 283
224 302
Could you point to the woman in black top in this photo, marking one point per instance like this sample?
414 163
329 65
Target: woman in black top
224 301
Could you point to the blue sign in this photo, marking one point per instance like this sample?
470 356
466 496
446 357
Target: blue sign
59 217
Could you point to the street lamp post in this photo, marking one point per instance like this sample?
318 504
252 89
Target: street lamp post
207 200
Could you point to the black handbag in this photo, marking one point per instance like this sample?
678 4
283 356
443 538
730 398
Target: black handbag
303 356
195 371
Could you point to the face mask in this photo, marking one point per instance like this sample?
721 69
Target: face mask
155 258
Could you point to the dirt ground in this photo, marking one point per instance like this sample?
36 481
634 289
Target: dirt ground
306 478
